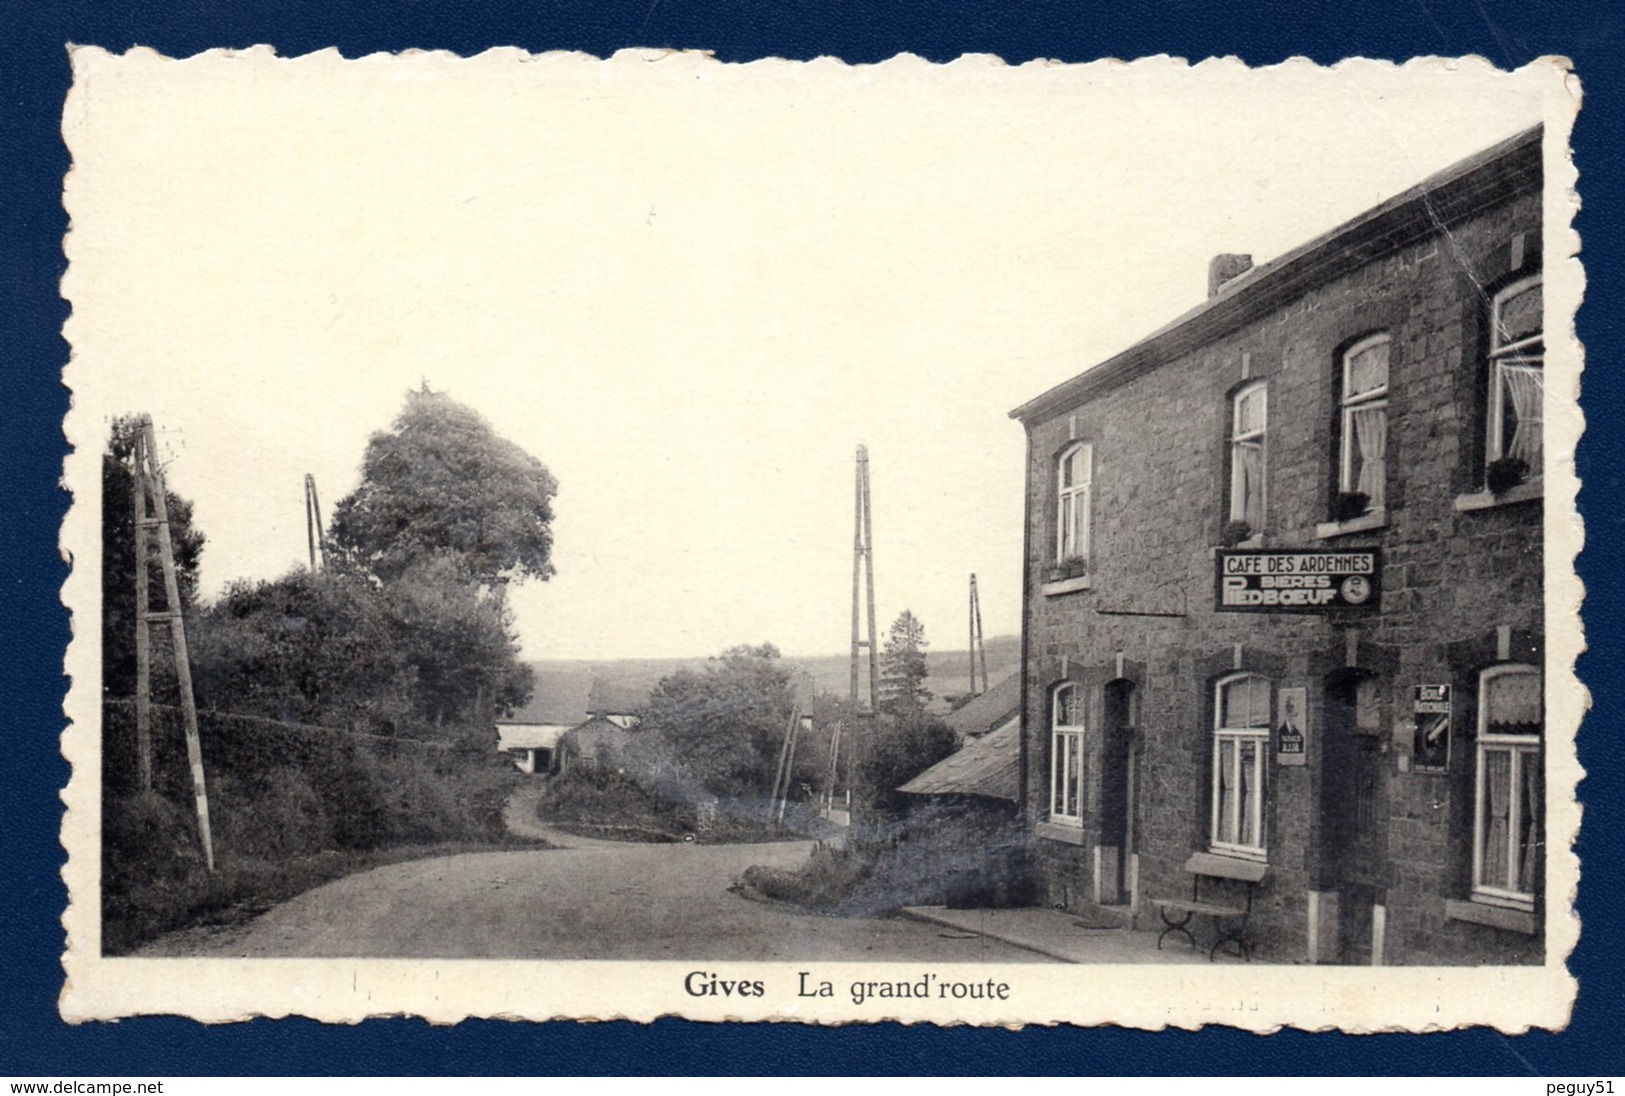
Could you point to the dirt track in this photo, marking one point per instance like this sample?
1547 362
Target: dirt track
599 900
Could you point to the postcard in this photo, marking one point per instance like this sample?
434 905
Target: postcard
559 537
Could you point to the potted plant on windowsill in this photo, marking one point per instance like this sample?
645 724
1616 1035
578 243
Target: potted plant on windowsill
1234 532
1504 474
1351 505
1071 567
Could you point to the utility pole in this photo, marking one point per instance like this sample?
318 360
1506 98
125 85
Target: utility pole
314 535
863 567
863 583
149 486
978 647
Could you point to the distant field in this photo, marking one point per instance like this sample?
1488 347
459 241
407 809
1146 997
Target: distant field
948 672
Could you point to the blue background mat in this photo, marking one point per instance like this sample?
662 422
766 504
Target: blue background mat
33 81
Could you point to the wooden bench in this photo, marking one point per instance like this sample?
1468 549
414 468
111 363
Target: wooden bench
1229 921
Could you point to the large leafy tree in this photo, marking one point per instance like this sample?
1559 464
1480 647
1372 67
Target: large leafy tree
457 637
118 560
305 648
409 631
442 482
905 747
902 668
723 726
447 514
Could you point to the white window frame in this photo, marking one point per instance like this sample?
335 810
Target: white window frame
1067 766
1072 504
1521 750
1241 439
1527 351
1348 472
1238 737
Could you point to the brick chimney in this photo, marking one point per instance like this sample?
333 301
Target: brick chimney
1224 268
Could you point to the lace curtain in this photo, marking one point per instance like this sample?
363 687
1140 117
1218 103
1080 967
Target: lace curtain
1371 441
1247 502
1524 388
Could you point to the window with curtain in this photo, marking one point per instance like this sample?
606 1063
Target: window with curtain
1074 476
1363 462
1241 731
1067 764
1249 421
1517 354
1509 800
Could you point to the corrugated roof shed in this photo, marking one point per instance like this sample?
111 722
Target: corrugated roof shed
985 766
989 710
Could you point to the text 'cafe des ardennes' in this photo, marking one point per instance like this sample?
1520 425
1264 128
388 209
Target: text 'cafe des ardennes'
1283 598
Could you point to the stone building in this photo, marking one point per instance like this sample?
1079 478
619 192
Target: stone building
1283 591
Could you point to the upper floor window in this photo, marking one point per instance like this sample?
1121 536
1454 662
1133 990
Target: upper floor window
1363 460
1517 354
1074 476
1067 720
1241 733
1508 801
1249 421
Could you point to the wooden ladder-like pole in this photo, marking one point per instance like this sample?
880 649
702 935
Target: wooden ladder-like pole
149 476
780 800
143 603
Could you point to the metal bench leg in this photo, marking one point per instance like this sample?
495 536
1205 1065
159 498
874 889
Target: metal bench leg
1236 935
1181 925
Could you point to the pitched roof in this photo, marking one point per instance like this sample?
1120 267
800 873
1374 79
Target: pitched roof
521 736
988 710
986 766
616 697
1432 206
596 730
559 698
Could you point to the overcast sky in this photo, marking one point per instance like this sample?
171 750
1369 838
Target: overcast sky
691 291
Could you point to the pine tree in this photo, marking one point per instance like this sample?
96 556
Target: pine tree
902 668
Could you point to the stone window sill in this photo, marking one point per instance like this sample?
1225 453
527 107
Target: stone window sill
1064 586
1376 519
1482 913
1484 500
1066 833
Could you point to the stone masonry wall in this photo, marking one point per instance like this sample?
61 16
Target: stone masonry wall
1450 579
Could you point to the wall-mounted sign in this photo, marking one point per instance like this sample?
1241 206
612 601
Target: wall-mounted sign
1430 749
1292 727
1269 580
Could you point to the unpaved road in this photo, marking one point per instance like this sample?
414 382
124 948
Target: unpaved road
599 900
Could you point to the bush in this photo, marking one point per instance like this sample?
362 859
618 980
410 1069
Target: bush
276 816
605 799
289 808
152 866
827 882
941 848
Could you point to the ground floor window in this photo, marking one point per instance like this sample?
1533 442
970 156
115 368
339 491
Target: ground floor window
1241 729
1509 798
1066 755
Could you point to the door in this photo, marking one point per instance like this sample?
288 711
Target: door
1117 792
1354 818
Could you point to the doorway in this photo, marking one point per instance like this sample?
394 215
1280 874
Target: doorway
1354 812
1114 878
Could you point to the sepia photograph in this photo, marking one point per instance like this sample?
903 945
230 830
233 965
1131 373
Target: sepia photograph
561 537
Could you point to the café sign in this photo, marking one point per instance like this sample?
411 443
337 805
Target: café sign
1270 580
